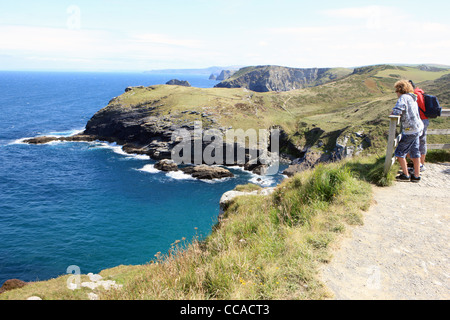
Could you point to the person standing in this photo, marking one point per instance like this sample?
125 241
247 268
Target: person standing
423 138
412 127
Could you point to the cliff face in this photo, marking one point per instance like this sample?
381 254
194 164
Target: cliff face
225 74
276 78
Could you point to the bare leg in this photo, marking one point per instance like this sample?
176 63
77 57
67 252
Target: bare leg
403 165
416 162
422 159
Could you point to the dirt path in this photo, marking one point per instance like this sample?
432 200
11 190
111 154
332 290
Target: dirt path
402 250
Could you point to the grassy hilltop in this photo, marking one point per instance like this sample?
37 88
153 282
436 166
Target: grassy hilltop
267 247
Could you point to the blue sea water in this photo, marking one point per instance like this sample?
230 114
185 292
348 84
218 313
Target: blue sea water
88 204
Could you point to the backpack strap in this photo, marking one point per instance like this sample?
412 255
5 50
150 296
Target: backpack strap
421 109
423 97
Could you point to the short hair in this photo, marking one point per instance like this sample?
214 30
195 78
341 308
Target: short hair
403 86
413 84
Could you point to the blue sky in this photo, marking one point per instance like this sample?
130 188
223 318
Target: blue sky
100 35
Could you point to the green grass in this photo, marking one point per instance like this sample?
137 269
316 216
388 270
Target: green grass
436 156
249 187
412 73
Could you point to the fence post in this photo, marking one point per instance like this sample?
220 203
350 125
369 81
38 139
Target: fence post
392 142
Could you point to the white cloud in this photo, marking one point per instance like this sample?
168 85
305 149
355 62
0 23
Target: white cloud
365 35
152 38
93 47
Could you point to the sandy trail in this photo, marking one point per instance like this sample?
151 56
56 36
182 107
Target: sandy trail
402 250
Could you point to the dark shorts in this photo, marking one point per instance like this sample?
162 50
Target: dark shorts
408 144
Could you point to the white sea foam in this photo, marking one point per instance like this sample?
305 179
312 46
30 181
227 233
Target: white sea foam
20 141
112 146
150 168
179 175
264 181
239 168
215 180
67 133
138 156
118 149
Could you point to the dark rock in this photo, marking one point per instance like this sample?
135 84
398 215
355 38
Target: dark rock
206 172
309 161
166 165
12 284
75 138
176 82
132 88
260 170
40 140
133 149
79 138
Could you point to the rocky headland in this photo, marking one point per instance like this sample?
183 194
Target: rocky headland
278 78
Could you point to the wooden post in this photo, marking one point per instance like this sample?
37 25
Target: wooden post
392 142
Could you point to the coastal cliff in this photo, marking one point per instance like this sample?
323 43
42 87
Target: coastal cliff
277 78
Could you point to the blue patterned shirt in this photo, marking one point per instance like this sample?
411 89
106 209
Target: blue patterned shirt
409 110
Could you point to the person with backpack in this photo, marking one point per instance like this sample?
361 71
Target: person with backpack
423 138
412 127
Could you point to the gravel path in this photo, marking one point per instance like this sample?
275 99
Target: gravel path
402 250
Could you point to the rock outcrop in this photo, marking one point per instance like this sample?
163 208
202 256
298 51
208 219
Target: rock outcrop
308 161
204 172
228 197
48 139
351 143
166 165
12 284
176 82
225 74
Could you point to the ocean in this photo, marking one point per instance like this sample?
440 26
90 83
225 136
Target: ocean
89 204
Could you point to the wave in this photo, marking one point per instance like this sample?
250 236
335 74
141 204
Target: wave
118 149
67 133
216 180
264 181
179 175
150 168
